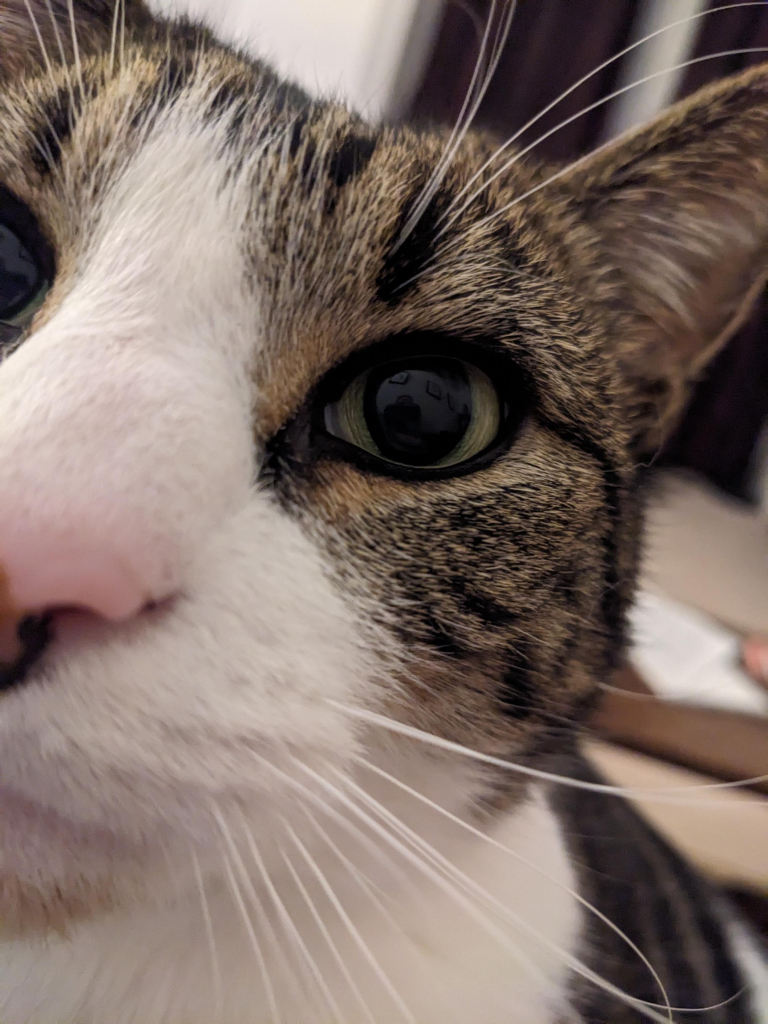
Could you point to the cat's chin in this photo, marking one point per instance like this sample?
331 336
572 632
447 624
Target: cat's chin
29 911
55 872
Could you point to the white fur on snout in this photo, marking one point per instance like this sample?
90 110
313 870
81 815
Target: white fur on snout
140 727
125 421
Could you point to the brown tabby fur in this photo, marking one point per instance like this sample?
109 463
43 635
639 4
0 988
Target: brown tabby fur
608 289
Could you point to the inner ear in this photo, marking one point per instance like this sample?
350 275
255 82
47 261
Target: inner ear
680 209
31 32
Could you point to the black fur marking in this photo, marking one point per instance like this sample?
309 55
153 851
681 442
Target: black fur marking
491 612
350 159
174 78
721 966
346 163
59 114
230 101
518 689
177 75
402 266
283 97
302 146
308 170
613 602
297 133
435 635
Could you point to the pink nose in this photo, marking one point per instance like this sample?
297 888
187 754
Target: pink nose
42 573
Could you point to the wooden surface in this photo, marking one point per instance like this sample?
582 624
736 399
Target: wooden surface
724 744
723 832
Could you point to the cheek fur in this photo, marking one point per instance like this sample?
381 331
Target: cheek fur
245 663
490 585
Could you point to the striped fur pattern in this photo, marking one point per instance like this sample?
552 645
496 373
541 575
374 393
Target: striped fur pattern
205 214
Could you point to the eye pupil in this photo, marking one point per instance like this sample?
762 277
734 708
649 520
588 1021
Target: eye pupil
418 415
19 275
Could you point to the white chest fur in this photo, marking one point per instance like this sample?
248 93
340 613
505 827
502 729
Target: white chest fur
404 937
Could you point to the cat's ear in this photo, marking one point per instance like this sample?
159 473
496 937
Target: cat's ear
680 208
28 28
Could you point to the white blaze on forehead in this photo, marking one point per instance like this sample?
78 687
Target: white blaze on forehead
125 420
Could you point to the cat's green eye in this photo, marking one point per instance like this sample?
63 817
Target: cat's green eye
428 412
25 271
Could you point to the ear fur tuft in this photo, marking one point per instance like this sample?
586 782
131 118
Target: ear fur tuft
681 209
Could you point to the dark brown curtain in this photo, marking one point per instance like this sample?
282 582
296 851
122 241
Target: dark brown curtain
554 43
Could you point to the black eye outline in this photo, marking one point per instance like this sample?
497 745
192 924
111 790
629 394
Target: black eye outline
20 221
511 382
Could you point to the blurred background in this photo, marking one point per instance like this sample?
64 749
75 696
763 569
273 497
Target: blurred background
684 699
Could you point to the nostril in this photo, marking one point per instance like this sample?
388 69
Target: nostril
41 575
22 641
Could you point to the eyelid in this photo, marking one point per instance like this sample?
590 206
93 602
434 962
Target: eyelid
9 333
26 315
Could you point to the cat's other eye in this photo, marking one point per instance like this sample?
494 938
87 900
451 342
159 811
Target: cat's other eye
25 268
422 412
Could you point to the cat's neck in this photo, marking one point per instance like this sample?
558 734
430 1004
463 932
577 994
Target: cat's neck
385 936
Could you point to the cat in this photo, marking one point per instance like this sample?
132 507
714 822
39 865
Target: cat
321 464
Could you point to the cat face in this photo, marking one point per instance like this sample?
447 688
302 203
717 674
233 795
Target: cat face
303 452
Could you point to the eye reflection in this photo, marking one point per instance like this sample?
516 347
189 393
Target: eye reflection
419 415
423 412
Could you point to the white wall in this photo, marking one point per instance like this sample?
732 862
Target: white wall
347 48
658 60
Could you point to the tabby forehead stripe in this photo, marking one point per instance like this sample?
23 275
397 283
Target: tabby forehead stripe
58 115
518 689
614 601
403 263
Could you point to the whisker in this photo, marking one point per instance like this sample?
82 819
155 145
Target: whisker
529 864
290 926
60 44
238 895
410 731
450 890
113 41
75 46
644 1007
121 4
322 927
40 42
210 937
469 884
421 864
572 88
350 925
466 116
359 876
592 106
